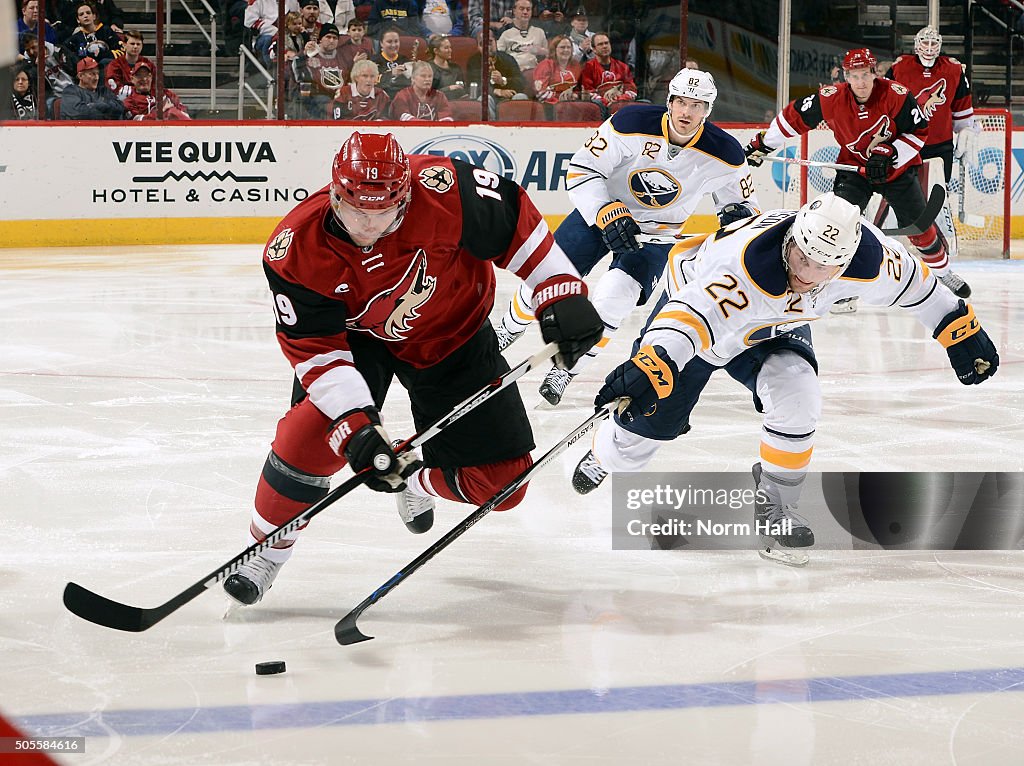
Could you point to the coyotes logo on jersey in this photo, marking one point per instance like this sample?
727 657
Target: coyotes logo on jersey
932 97
877 134
388 315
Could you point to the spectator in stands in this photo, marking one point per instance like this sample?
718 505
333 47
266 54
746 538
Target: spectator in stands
326 75
525 42
119 71
309 13
362 99
552 17
141 103
443 17
109 15
404 14
58 78
692 63
29 22
608 80
393 66
356 46
233 24
89 99
91 38
580 35
420 101
557 78
337 12
506 78
294 40
448 76
261 20
23 95
501 16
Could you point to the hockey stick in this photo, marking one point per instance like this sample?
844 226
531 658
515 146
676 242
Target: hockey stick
812 163
932 208
968 219
347 632
112 614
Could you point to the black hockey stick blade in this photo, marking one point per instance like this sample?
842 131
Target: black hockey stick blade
113 614
346 631
932 208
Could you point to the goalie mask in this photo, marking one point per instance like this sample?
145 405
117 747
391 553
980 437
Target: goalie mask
695 84
370 174
928 45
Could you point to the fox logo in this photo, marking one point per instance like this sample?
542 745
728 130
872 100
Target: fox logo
932 97
870 138
388 314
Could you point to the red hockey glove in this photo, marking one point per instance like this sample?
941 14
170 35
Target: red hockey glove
358 437
880 163
971 352
567 317
756 149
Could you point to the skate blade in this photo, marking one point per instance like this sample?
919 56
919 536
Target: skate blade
788 558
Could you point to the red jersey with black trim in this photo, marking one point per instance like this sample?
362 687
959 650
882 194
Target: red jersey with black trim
349 105
434 107
610 83
424 289
890 115
942 91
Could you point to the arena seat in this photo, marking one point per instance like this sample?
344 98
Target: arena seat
577 111
520 111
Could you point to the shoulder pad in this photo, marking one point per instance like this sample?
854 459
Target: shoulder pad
867 261
954 61
720 145
897 88
828 90
762 260
638 118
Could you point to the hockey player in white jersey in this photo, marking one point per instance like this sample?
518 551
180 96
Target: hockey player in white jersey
742 299
643 172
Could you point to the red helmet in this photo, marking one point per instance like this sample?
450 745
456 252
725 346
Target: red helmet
371 172
859 58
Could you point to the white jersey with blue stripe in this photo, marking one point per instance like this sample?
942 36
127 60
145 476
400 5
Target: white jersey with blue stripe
631 159
730 291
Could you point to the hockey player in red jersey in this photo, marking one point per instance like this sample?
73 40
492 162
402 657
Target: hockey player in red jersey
940 86
389 272
880 128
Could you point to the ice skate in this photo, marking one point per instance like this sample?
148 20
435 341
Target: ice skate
588 474
252 580
956 285
845 306
780 527
554 385
506 337
416 511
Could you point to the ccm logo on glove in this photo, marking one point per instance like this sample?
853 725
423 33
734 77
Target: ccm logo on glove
659 373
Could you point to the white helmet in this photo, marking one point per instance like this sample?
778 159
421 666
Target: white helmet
928 45
827 230
695 84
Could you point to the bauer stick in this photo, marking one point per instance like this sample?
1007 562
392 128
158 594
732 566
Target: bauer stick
112 614
347 632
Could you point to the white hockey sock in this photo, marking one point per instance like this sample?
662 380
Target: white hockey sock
280 551
614 297
616 449
519 314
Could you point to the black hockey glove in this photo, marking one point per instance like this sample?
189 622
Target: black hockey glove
734 211
358 437
567 317
619 229
646 378
971 352
880 163
756 149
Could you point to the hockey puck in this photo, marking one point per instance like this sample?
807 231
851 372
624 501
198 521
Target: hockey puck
269 668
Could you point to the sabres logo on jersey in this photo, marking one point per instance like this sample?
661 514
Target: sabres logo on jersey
437 178
870 138
653 187
932 97
389 314
278 248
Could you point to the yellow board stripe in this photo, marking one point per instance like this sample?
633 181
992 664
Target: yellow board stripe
960 329
792 460
659 373
691 321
